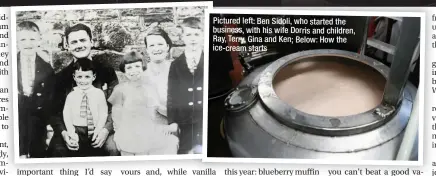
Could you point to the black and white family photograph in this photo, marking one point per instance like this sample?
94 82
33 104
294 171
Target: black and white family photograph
109 81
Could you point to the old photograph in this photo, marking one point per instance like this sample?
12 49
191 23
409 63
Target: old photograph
109 80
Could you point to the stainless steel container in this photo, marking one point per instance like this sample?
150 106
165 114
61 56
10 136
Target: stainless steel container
261 125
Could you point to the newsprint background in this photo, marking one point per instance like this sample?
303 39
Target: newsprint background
8 166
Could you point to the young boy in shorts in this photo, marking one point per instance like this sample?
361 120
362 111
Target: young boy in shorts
85 111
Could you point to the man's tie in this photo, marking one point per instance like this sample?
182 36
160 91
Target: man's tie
85 112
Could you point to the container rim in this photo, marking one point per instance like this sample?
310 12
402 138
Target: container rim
321 125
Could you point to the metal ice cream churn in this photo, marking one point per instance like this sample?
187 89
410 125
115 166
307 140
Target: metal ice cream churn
258 124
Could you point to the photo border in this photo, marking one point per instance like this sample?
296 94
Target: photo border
336 12
14 10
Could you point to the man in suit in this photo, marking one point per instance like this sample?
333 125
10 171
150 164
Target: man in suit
185 88
79 41
35 88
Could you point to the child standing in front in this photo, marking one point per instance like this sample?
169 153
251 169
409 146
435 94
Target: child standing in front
85 111
138 131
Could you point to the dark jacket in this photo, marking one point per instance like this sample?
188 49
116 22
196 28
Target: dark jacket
34 110
185 92
65 83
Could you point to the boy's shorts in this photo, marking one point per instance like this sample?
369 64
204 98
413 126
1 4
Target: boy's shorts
85 144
